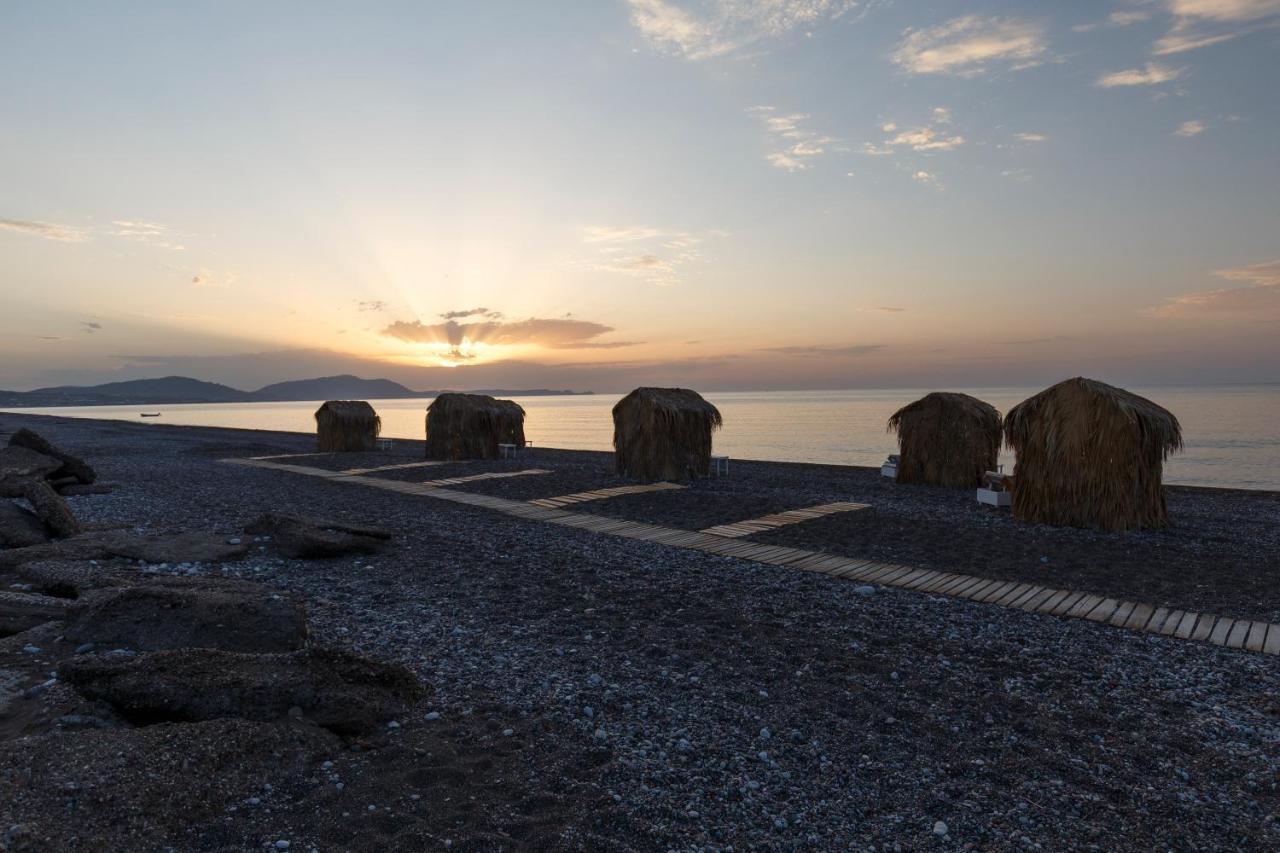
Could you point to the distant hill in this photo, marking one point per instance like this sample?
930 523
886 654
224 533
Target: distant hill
183 389
336 388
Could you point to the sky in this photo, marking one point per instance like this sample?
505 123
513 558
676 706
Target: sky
597 194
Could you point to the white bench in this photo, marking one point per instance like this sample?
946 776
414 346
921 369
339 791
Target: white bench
993 491
720 466
512 451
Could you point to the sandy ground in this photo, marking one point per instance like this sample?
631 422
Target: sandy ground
589 692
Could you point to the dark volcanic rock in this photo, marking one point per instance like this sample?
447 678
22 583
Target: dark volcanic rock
338 690
79 489
20 528
71 578
300 536
18 464
72 466
20 611
174 613
178 548
51 508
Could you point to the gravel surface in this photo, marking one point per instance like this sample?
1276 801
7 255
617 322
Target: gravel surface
592 692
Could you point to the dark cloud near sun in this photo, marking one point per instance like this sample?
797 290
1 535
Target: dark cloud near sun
89 326
551 333
817 351
471 312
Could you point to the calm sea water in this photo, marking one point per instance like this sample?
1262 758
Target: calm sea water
1232 434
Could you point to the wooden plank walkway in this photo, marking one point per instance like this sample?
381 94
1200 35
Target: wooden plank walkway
430 463
488 475
1255 636
781 519
602 494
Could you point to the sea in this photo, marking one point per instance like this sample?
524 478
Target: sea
1232 433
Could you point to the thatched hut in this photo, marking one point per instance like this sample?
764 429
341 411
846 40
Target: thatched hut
346 425
663 434
471 426
946 439
1090 455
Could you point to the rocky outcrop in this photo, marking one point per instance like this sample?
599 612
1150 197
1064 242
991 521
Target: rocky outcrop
337 690
19 527
71 466
173 613
51 508
303 537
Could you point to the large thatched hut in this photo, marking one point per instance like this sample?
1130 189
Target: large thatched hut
663 434
471 426
346 425
1090 455
946 439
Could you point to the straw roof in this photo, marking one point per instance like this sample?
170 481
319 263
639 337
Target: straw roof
663 434
1091 455
471 426
946 439
346 425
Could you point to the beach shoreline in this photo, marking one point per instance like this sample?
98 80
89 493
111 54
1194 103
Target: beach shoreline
661 698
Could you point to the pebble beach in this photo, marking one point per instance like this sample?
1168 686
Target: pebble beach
588 692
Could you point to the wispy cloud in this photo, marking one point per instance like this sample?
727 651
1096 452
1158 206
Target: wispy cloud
471 312
722 27
151 233
90 327
459 339
1153 74
925 139
47 230
371 305
821 351
1200 23
655 255
794 146
1261 296
1115 19
1031 137
205 277
968 46
1190 128
929 179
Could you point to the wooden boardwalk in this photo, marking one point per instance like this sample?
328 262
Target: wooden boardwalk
781 519
1225 631
602 494
488 475
429 463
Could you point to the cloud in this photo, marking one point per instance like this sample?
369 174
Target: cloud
618 233
47 230
819 351
90 327
1115 19
929 179
1190 128
1261 296
926 139
1200 23
151 233
795 145
205 277
1153 74
460 338
1031 137
371 305
655 255
721 27
884 309
471 312
968 45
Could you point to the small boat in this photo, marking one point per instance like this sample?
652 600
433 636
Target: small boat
148 414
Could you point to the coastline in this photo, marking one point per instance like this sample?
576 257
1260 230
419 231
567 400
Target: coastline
659 698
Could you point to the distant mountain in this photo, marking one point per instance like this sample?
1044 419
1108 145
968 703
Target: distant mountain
336 388
183 389
170 389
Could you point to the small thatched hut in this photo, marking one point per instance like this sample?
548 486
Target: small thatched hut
946 439
663 434
471 426
1090 455
346 425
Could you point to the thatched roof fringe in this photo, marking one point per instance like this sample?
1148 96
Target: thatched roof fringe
471 426
1091 455
946 439
346 425
664 433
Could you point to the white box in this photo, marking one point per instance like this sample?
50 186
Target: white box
890 471
994 498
